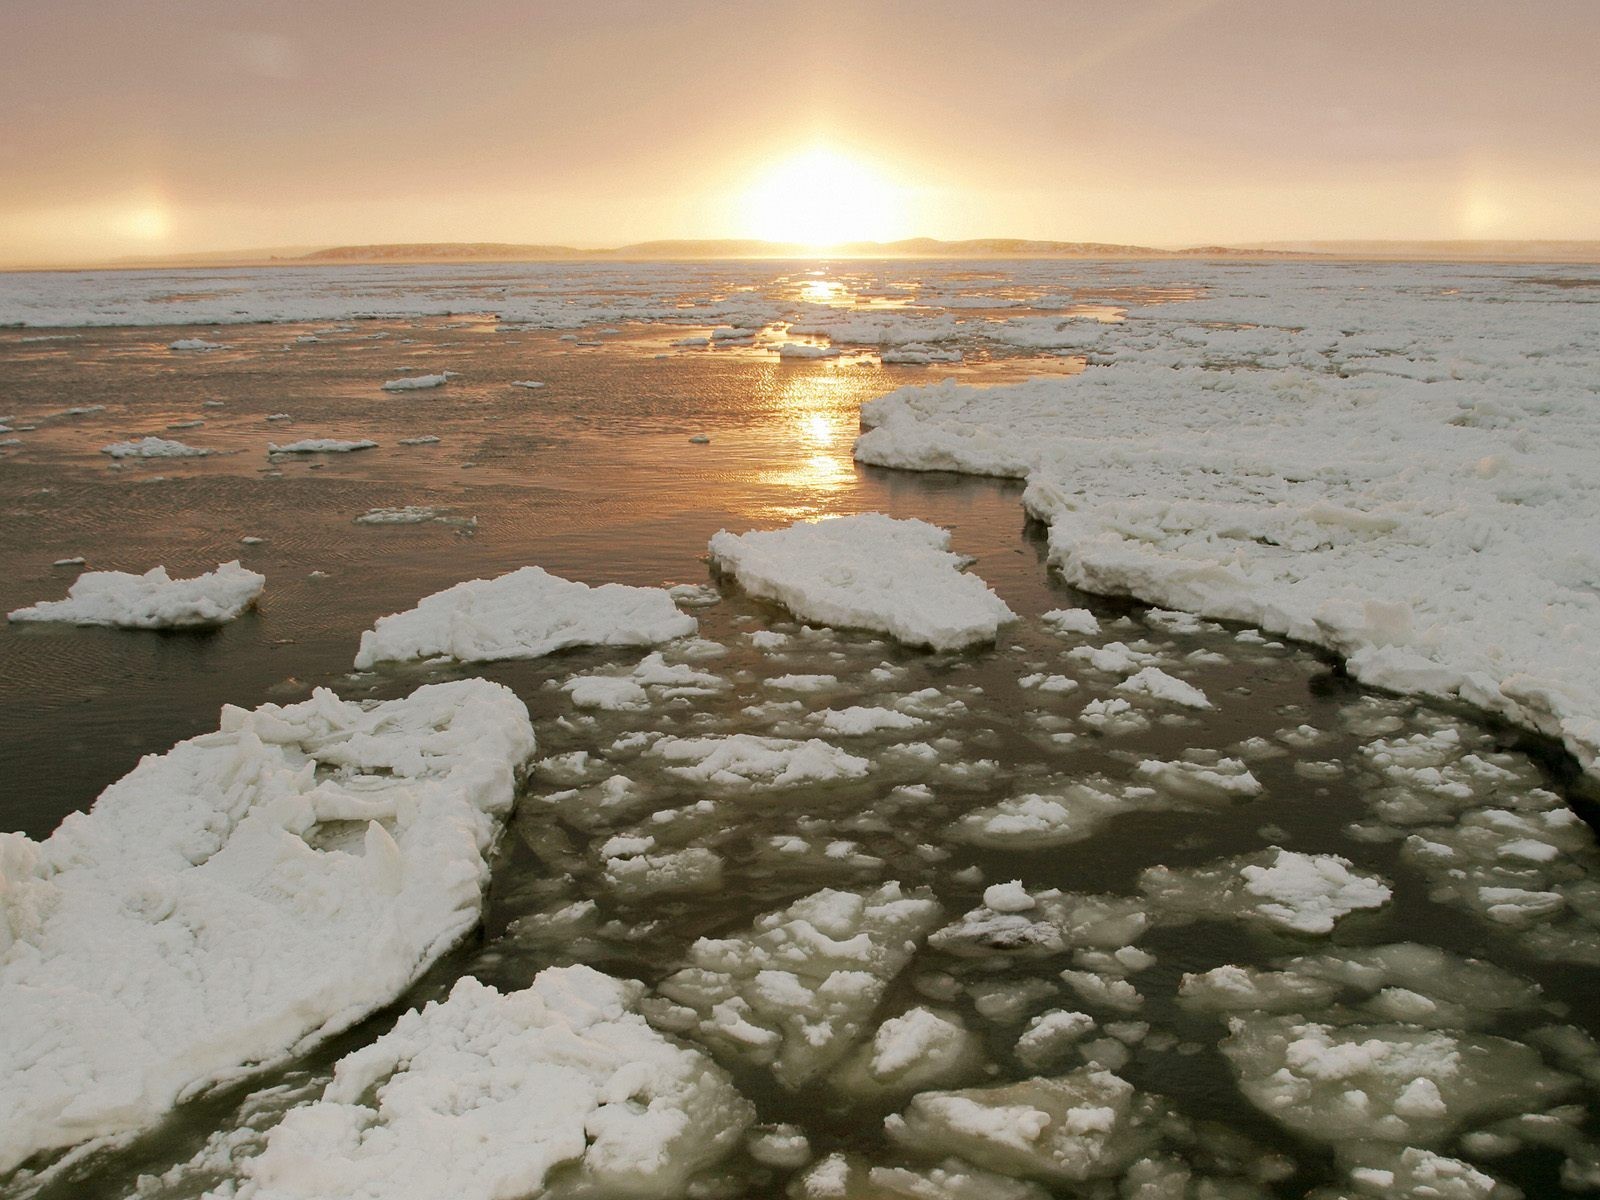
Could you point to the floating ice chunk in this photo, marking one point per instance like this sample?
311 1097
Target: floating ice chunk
153 600
612 693
238 898
1008 897
917 354
1074 813
1113 717
692 342
797 990
1389 1083
153 447
485 1094
860 721
1412 1173
917 1050
526 383
425 440
846 1177
1158 685
408 514
1303 893
525 614
746 761
1062 1130
1049 683
321 446
1057 922
1202 775
1114 658
415 383
1050 1035
803 683
195 344
1072 620
637 874
870 572
806 350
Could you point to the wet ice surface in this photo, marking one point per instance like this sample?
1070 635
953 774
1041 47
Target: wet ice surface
1128 904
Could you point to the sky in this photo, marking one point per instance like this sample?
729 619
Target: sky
151 127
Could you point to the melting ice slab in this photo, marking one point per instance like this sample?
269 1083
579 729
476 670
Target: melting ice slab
237 898
867 572
484 1095
526 614
153 600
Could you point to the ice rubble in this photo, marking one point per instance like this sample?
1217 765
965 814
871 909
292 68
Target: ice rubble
321 446
797 990
245 894
195 344
524 614
153 447
1427 514
870 572
153 600
487 1095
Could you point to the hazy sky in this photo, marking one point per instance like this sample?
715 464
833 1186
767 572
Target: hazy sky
152 127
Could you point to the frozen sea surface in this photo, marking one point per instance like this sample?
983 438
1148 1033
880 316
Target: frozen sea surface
1128 903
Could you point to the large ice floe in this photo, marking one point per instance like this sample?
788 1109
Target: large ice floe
560 1089
1410 485
234 900
867 572
153 447
153 600
525 614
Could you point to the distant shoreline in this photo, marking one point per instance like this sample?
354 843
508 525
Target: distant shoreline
1530 253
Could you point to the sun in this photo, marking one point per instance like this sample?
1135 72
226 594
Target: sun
822 198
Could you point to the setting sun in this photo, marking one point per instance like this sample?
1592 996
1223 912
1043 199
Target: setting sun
822 198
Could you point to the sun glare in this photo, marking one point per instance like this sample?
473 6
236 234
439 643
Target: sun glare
823 198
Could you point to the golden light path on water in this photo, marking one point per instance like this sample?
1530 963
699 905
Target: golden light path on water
821 418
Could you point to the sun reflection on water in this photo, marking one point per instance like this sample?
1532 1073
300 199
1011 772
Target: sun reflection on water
818 422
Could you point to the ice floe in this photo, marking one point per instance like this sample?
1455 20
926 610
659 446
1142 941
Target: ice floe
321 446
240 897
868 572
417 383
486 1095
153 600
153 447
1285 889
527 613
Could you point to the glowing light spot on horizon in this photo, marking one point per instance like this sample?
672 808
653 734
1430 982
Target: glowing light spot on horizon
148 223
822 198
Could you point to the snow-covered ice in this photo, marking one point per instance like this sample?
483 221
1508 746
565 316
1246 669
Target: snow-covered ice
1302 893
321 446
153 600
485 1095
416 383
153 447
868 572
240 897
527 613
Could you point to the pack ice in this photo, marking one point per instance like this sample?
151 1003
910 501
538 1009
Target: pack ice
153 600
525 614
238 898
1409 485
867 572
484 1095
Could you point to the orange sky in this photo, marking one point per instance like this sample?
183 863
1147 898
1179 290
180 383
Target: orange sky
147 127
